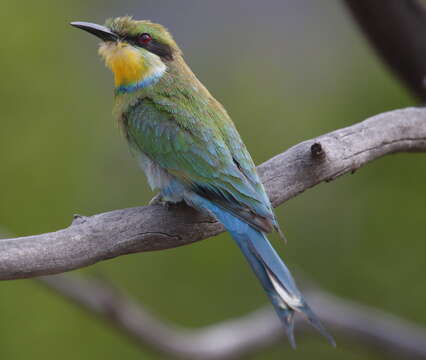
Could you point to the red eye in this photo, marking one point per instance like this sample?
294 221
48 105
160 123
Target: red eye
144 39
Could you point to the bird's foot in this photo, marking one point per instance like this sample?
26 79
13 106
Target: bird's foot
159 200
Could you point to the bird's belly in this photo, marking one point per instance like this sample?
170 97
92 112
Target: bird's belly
171 189
157 177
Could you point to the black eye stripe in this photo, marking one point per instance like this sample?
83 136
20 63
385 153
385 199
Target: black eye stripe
162 50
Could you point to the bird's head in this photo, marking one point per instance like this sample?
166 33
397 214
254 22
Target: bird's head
137 52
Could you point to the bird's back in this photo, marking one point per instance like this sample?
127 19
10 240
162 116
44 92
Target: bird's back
179 125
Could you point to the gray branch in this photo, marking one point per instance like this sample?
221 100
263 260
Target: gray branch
237 337
103 236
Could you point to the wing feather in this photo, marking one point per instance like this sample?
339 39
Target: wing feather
210 159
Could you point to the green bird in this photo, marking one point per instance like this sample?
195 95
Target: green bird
190 150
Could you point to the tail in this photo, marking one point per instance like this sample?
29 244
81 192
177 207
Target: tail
271 271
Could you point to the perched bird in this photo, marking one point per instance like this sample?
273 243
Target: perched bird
190 150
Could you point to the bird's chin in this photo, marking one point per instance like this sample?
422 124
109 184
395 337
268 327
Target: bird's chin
111 49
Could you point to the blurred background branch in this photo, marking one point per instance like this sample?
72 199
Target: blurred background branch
104 236
396 29
248 334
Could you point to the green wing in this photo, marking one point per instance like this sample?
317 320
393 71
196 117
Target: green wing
209 159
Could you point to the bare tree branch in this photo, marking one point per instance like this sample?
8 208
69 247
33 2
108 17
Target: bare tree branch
103 236
396 30
234 338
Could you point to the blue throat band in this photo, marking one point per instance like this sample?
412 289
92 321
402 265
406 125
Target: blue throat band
123 89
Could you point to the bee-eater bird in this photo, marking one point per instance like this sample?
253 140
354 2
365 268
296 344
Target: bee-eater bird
190 150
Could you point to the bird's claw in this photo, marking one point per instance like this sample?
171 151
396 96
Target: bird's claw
157 200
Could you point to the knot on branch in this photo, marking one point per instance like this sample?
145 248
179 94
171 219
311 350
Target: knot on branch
317 151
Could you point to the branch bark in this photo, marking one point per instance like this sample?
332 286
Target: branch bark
103 236
241 336
396 30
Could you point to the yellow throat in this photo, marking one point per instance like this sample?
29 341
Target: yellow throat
125 62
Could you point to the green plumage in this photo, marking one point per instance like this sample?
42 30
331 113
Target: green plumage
190 149
180 126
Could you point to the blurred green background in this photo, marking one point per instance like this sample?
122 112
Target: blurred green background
286 71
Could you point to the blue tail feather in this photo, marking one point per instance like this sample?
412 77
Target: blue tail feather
271 271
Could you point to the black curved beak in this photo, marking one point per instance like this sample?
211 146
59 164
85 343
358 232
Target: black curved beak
100 31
